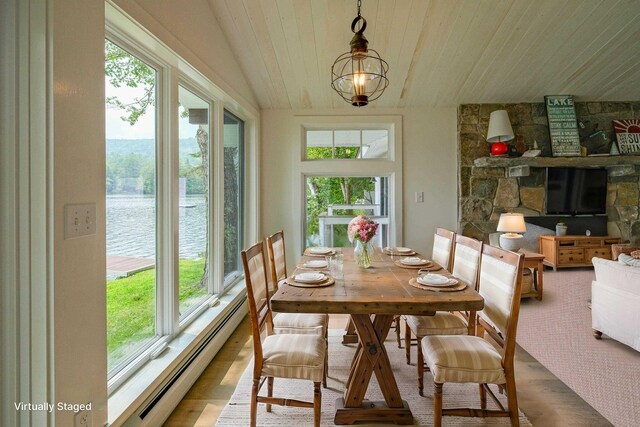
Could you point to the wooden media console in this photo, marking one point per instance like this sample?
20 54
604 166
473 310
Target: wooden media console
574 251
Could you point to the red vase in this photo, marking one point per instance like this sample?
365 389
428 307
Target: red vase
499 149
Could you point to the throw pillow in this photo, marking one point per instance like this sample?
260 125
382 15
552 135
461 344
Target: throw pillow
628 260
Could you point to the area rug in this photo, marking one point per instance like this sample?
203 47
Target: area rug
236 413
557 332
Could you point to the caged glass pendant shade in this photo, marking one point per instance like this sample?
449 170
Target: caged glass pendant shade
360 75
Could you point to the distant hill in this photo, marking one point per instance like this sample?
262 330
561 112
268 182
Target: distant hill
145 146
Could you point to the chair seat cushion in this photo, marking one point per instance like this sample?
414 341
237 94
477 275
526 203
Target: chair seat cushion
300 323
442 323
462 359
298 356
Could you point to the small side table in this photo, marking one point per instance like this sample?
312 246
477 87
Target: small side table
534 260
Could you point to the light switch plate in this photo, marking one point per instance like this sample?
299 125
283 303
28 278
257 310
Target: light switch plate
419 196
80 220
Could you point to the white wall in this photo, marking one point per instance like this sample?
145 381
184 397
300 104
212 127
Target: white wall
191 29
429 158
79 335
79 296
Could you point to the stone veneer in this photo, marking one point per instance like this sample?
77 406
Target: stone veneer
486 192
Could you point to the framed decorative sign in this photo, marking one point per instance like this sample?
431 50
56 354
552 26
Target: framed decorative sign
627 135
563 125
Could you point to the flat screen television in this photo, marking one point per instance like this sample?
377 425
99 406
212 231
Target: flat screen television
576 191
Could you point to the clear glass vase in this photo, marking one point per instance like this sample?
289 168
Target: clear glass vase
362 253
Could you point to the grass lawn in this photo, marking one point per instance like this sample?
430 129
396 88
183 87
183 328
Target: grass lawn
131 306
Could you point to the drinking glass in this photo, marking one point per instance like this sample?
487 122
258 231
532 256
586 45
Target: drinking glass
329 260
337 265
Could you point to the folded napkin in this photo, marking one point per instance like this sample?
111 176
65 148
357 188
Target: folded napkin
309 277
413 261
436 280
316 263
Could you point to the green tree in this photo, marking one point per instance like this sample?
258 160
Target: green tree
124 69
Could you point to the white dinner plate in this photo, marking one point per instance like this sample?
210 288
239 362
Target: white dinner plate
316 263
436 280
320 251
310 277
413 261
402 249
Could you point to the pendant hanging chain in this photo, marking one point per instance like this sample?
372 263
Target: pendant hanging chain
359 4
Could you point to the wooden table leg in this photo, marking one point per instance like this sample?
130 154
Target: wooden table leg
350 336
371 356
539 273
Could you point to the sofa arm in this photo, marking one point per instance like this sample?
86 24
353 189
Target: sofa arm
615 313
616 275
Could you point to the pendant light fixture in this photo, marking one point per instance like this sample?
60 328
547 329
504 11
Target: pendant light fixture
359 76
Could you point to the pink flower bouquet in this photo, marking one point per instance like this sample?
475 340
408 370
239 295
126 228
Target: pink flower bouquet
362 228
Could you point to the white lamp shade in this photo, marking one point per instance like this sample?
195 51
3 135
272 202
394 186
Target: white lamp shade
512 223
499 127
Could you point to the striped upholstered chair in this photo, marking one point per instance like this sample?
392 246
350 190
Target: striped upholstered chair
293 323
472 359
466 265
442 254
292 356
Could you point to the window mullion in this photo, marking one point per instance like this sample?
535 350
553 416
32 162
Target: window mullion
166 308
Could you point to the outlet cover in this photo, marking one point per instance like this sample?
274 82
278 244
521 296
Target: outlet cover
83 419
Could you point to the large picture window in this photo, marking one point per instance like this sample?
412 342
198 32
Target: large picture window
131 146
164 266
193 200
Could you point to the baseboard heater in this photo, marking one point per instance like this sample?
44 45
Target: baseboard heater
167 386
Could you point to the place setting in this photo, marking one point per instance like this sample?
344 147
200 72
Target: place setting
417 263
398 251
310 279
437 283
319 252
314 264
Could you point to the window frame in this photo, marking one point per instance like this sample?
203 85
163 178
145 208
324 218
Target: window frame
390 167
360 131
231 280
212 295
134 360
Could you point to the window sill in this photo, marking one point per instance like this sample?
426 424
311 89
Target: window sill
127 399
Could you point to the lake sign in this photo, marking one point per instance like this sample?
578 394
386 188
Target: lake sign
563 125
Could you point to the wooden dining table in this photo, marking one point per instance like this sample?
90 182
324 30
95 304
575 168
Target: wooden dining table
372 297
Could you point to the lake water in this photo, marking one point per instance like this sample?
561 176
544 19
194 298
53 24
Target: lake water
131 226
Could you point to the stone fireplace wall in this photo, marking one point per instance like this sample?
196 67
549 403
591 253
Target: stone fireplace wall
486 192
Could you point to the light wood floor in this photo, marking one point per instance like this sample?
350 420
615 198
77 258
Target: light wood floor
541 396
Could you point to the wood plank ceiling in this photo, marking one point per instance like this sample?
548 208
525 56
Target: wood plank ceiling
440 52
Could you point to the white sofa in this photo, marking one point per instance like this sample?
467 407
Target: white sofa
615 302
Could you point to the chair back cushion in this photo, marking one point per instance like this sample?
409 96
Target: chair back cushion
498 280
256 283
466 262
279 263
277 258
442 247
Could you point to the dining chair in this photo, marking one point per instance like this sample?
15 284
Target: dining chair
291 356
466 265
294 323
441 254
473 359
